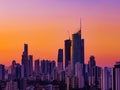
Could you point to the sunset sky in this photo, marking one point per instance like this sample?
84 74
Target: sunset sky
44 25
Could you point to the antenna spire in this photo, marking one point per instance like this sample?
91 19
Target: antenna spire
80 27
80 24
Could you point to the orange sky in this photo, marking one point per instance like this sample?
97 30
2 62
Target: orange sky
44 27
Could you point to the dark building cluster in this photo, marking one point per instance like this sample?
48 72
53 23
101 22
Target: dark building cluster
68 72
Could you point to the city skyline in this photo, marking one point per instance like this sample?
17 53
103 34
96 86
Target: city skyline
44 26
51 75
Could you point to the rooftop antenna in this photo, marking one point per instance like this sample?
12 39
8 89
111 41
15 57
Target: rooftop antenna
80 25
79 31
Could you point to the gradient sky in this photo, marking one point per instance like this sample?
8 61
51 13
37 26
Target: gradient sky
44 25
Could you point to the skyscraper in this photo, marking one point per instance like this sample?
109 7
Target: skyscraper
106 81
18 71
79 74
60 59
43 66
2 72
77 49
37 67
25 62
116 76
13 69
67 52
30 64
26 49
53 66
91 70
94 73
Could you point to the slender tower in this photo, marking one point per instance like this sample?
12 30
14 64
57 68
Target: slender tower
60 59
67 52
25 63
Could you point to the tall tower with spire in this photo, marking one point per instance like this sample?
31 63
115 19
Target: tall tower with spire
77 48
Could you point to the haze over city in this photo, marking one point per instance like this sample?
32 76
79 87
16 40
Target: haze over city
59 45
44 25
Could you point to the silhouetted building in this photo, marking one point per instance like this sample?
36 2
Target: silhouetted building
25 62
116 76
37 67
43 67
26 49
79 74
67 52
49 66
53 66
91 70
55 74
60 59
22 71
86 75
94 73
106 81
46 67
30 65
13 70
98 72
18 71
68 70
2 72
77 49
